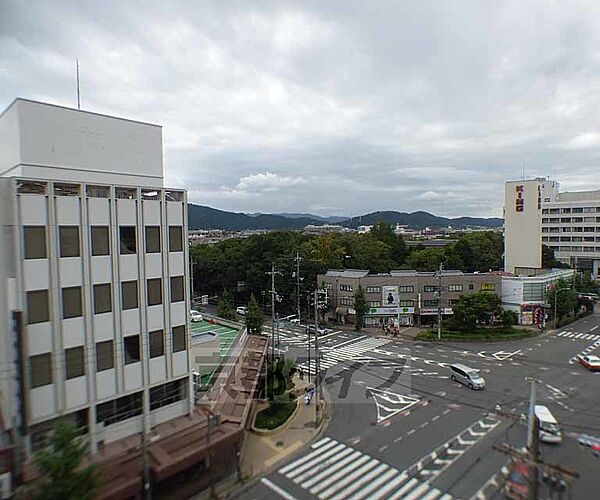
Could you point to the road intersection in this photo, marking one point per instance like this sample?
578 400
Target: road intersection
401 429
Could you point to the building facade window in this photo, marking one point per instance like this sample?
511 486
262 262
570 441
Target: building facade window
178 338
453 302
346 301
406 289
127 240
105 357
346 288
71 302
430 288
406 303
154 291
471 286
119 409
74 362
40 370
38 310
102 298
374 303
455 288
129 295
430 303
131 350
34 242
157 344
175 239
488 287
69 241
152 239
327 286
166 394
100 240
177 294
373 289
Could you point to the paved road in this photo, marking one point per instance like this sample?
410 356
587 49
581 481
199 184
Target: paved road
401 429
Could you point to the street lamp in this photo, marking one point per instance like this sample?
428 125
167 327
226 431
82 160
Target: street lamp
556 301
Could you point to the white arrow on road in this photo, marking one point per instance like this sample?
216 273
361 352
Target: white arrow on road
390 403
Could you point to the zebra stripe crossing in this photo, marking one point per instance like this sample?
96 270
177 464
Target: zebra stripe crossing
349 352
578 336
334 470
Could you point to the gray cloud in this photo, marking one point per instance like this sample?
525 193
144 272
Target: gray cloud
333 107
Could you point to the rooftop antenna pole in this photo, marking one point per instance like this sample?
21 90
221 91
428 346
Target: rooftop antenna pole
78 93
523 174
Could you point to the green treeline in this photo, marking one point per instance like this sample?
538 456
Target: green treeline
228 264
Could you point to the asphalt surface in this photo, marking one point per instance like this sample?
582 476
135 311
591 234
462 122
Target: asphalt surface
400 428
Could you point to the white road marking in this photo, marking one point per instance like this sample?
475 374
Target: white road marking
280 491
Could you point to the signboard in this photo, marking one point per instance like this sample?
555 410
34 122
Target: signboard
432 311
390 311
204 300
520 201
389 296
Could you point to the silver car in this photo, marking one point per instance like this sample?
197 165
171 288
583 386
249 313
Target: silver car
467 376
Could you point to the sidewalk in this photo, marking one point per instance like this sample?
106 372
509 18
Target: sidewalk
261 453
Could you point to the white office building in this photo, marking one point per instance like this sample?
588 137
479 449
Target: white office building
537 213
93 276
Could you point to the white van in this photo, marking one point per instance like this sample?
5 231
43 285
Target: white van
467 376
549 430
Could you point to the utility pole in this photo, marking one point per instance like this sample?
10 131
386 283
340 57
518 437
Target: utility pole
533 440
439 322
308 332
298 285
317 360
273 296
531 416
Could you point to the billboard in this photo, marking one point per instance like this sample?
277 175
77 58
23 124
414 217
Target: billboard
389 296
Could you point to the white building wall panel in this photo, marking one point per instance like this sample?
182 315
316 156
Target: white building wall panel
39 338
70 271
101 269
158 369
155 318
120 430
176 265
67 210
167 413
133 376
76 392
104 327
180 363
151 213
130 322
153 265
178 315
42 402
126 212
106 384
73 332
36 274
98 211
175 213
33 210
128 267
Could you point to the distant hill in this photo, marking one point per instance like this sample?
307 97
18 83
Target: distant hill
421 220
202 217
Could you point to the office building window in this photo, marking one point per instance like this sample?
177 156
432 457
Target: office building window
40 370
131 349
129 295
102 298
157 345
406 303
97 191
166 394
455 288
430 288
34 242
74 362
100 240
406 289
346 288
105 357
178 338
174 195
489 287
69 241
152 239
127 241
374 303
453 302
177 289
71 302
430 303
346 301
119 409
373 289
471 286
327 286
154 290
175 239
38 309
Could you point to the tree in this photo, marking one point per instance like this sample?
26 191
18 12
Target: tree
475 309
383 232
425 259
585 284
509 318
60 466
566 298
549 261
254 316
225 308
360 306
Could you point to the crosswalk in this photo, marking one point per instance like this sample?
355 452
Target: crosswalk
350 352
578 336
334 470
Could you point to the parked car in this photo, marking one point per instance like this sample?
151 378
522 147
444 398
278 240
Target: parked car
467 376
241 310
295 321
195 316
518 481
591 362
322 330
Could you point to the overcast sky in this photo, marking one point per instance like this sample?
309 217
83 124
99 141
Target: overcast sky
331 107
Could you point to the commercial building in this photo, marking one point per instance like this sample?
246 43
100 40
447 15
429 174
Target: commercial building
537 213
94 283
404 296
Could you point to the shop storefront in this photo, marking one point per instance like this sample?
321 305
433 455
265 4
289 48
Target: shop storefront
429 315
380 316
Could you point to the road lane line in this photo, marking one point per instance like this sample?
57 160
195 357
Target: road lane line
280 491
